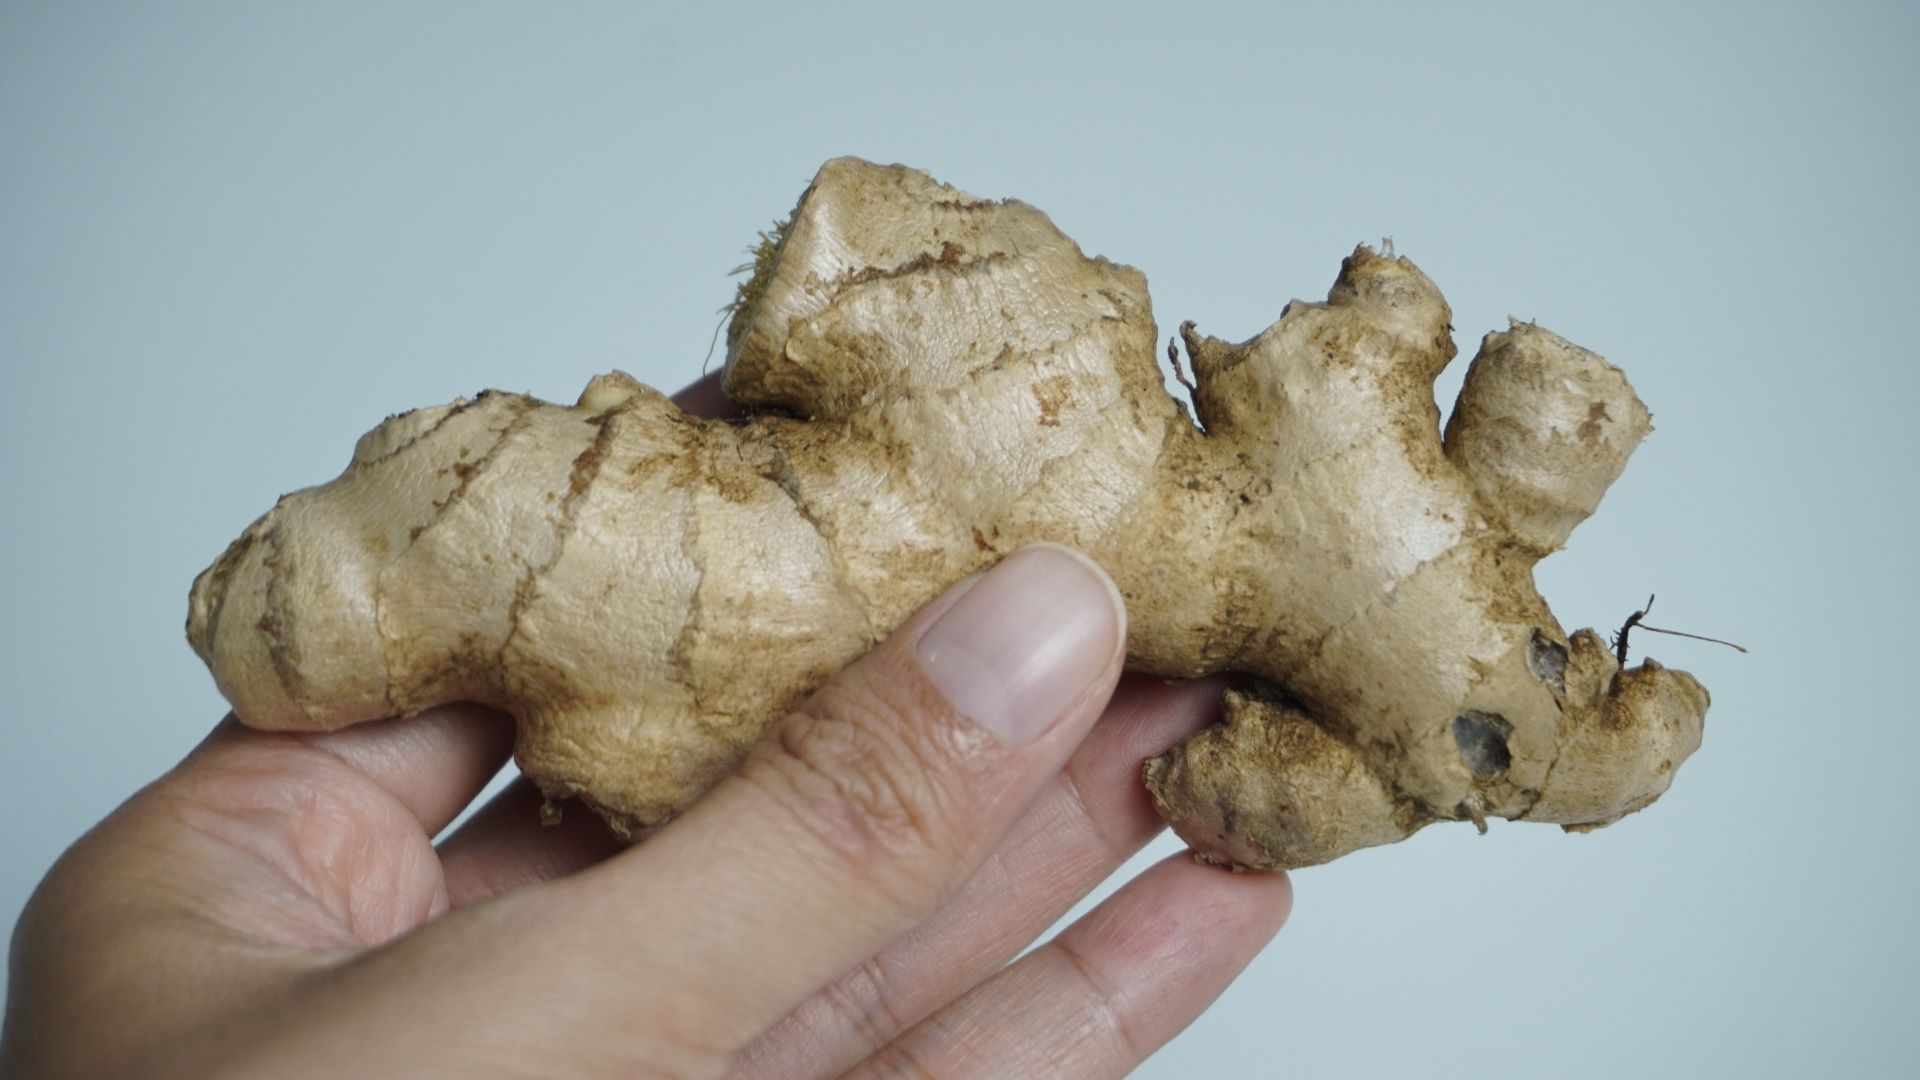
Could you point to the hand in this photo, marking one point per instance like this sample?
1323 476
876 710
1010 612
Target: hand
849 900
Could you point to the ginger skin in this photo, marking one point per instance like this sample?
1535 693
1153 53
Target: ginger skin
943 379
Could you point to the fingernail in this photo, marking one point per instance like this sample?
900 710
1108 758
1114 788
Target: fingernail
1024 641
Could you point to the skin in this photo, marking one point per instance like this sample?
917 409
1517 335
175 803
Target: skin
847 903
938 380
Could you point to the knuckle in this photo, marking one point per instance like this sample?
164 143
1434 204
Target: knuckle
863 1004
900 1061
1100 1002
879 783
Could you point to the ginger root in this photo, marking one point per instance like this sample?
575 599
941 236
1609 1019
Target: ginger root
940 379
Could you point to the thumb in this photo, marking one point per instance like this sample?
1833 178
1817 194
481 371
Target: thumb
866 807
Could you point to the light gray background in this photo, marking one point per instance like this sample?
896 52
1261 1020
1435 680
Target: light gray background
232 237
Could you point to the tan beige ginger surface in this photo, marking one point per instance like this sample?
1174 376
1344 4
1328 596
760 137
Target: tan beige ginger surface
940 380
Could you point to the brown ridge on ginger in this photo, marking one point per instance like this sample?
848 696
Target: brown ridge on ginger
938 380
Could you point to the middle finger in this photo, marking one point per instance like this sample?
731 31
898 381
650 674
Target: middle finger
1083 827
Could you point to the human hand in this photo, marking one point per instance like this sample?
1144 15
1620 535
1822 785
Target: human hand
849 900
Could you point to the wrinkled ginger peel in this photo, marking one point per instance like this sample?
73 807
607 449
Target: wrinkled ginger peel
943 379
